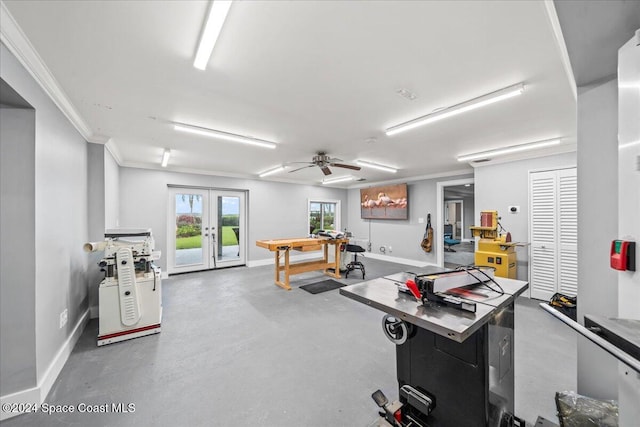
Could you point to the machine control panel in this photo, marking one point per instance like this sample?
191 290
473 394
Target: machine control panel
623 255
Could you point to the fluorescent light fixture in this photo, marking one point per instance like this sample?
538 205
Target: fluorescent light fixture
481 101
508 150
339 179
212 133
376 166
165 158
271 171
217 15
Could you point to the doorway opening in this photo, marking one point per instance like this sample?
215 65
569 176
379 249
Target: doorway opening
455 214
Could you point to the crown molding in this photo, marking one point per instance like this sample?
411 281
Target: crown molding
115 152
12 36
554 23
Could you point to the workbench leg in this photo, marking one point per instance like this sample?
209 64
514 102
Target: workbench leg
286 270
285 284
337 260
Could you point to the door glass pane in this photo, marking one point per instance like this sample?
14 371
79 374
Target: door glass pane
228 227
188 229
315 215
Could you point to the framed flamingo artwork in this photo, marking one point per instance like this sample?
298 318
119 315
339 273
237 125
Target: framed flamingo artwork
384 202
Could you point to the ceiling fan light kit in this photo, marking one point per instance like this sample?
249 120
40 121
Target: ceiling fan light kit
323 161
472 104
508 150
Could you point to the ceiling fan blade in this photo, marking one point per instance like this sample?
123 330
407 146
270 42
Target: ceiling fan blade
342 165
303 167
326 170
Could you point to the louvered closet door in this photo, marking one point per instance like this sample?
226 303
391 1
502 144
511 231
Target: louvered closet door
568 231
553 200
542 202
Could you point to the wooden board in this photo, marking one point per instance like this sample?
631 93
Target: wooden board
294 243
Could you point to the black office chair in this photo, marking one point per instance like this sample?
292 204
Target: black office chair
354 264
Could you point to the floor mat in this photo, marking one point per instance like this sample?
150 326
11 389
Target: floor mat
324 286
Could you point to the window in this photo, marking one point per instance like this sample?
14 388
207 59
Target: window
324 215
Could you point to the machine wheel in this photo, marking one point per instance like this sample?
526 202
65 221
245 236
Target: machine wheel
395 329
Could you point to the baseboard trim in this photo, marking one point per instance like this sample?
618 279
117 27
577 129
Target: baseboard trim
52 372
39 394
397 260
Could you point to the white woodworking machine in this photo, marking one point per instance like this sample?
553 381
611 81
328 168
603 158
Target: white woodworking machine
130 295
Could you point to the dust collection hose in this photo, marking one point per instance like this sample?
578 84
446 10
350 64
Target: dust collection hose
94 246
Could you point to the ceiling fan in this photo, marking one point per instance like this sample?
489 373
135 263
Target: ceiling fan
323 161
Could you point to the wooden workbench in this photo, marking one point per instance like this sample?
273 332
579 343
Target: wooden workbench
304 244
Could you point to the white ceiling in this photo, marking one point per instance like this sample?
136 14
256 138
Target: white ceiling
308 75
593 32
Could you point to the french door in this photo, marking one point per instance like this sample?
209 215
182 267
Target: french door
206 229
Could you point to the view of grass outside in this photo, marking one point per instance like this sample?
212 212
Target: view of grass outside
192 223
228 239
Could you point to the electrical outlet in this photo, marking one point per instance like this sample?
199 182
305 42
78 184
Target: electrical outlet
63 318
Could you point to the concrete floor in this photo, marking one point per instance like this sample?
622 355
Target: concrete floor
463 255
237 350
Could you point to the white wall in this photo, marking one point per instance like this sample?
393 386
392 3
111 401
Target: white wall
629 211
60 224
111 190
597 198
404 236
274 210
499 186
96 191
469 216
17 245
597 226
96 221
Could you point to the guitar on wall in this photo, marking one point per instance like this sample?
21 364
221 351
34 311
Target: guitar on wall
427 240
